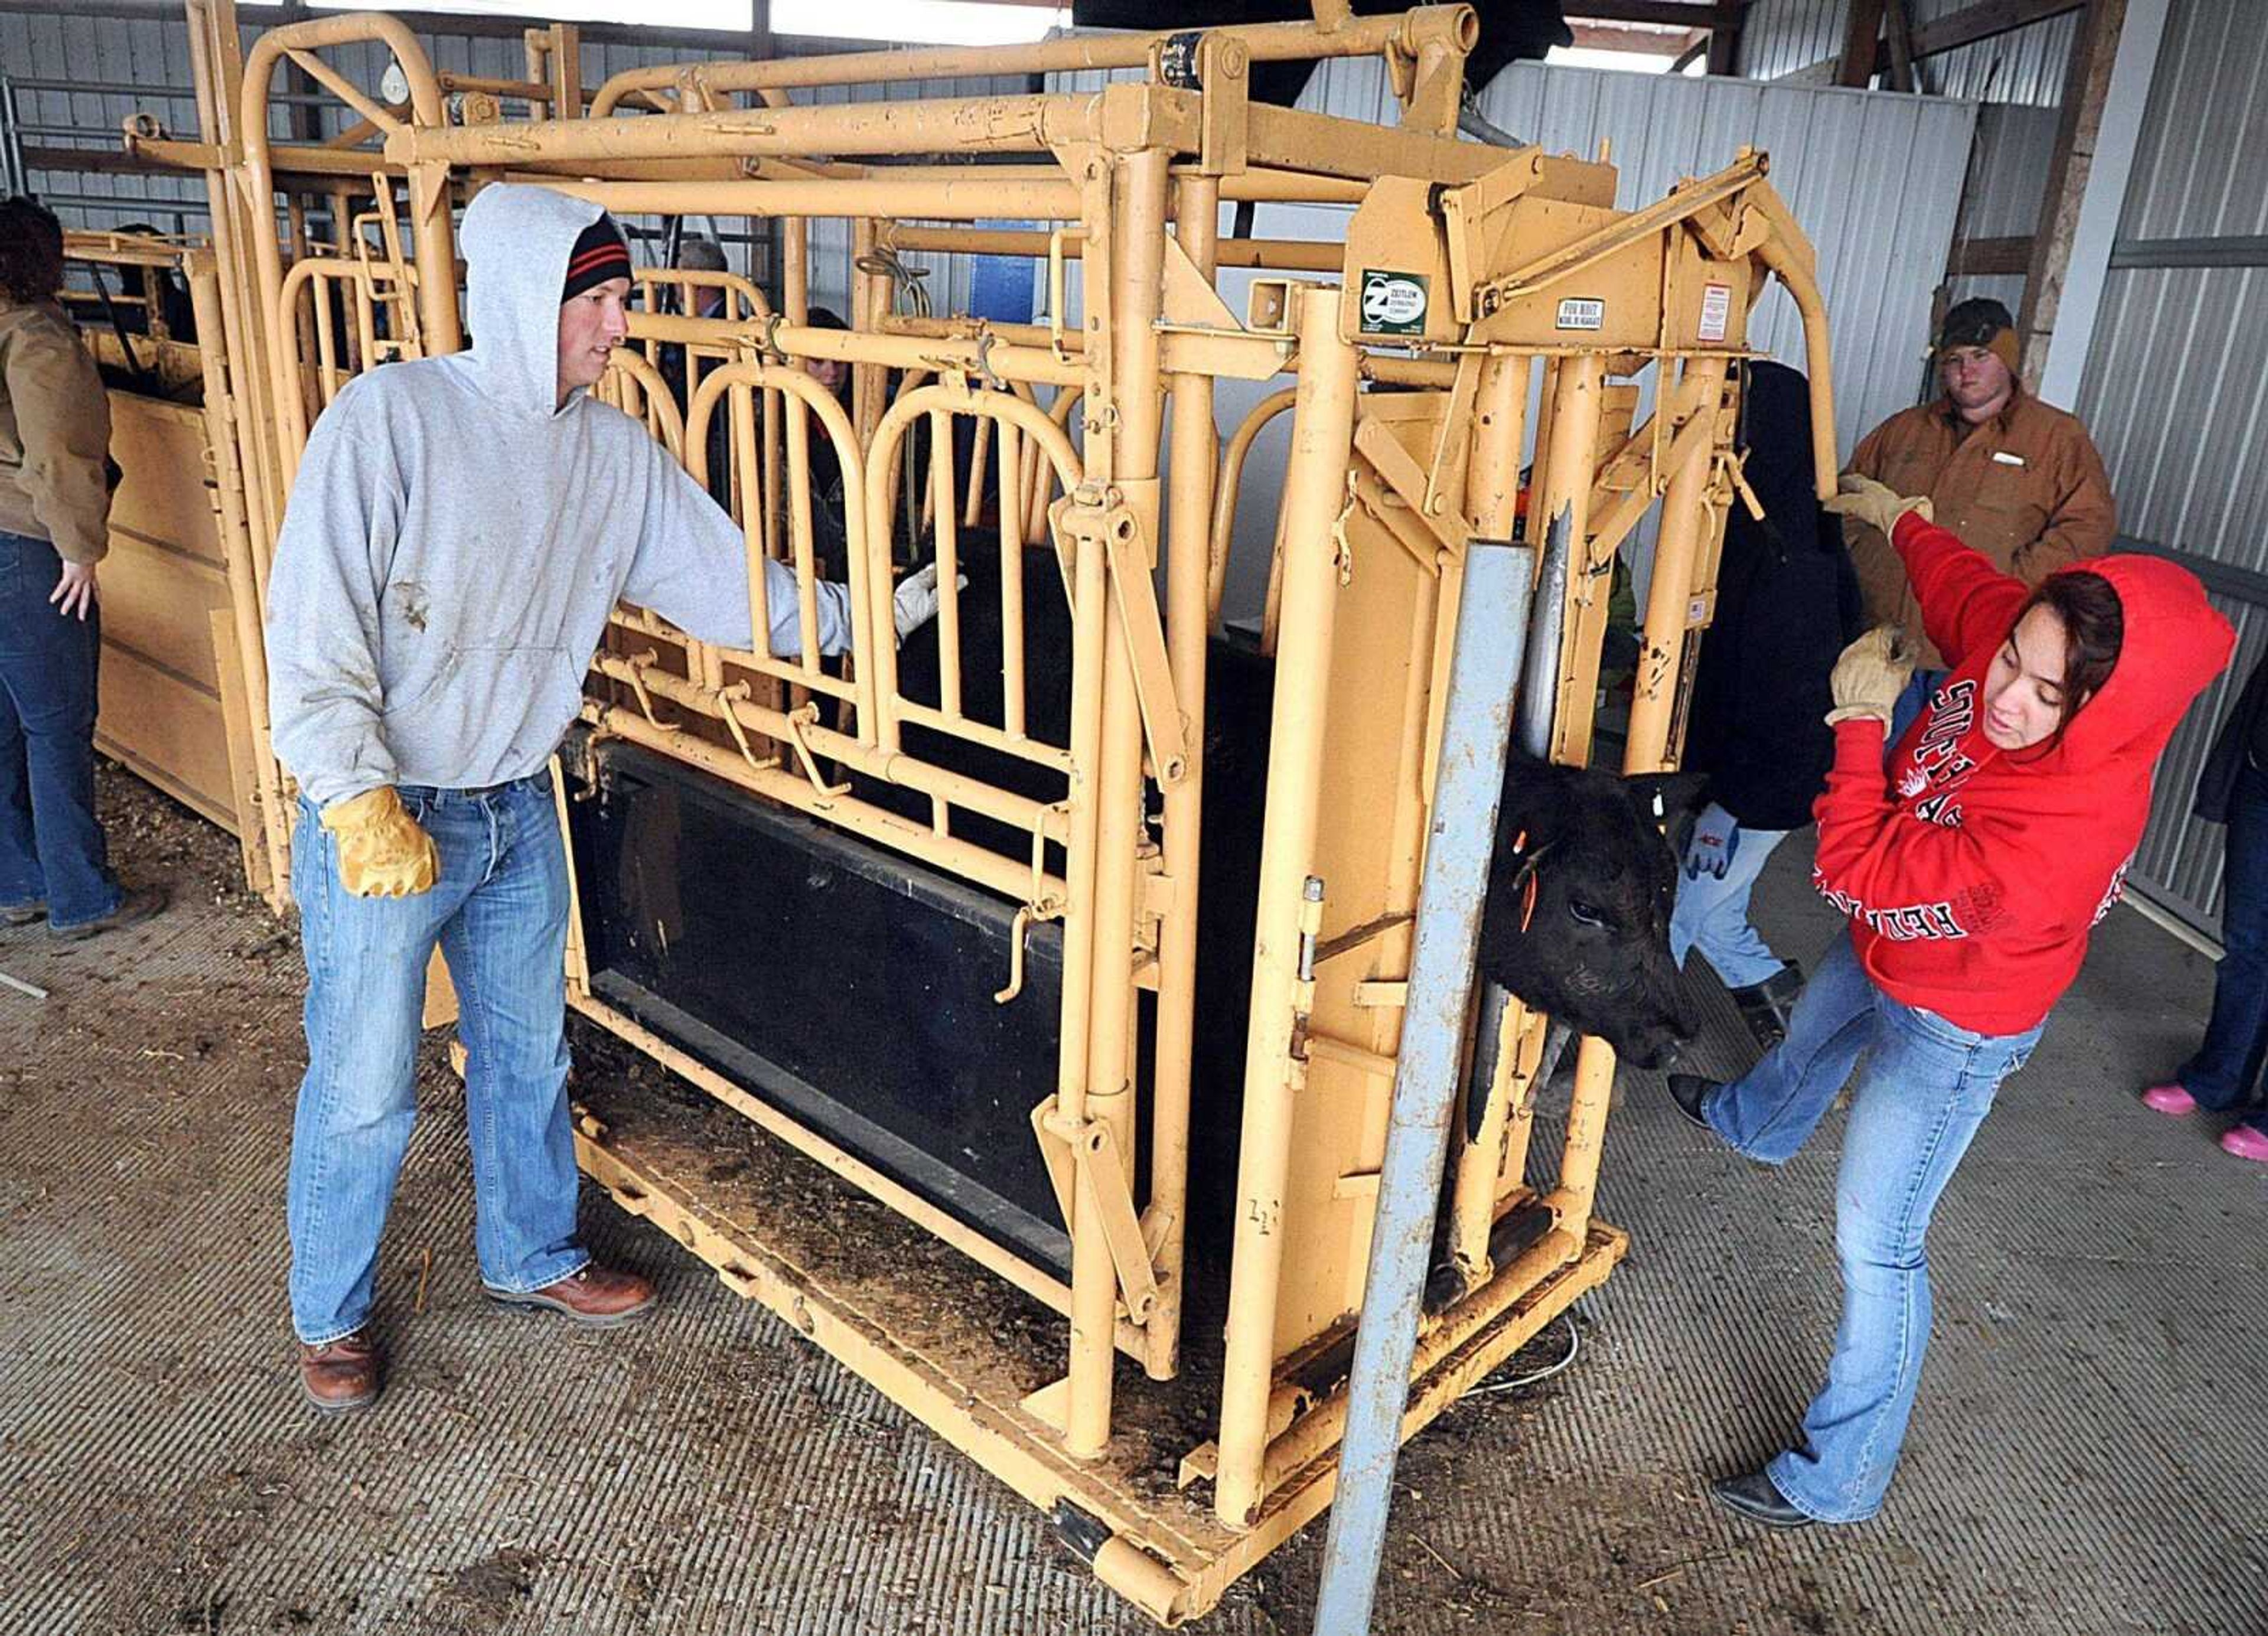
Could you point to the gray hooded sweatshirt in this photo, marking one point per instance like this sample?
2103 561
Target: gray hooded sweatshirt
456 538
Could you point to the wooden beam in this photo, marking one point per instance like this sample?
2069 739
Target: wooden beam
1629 37
2086 86
1897 43
1985 21
1676 13
1989 258
1964 27
1861 38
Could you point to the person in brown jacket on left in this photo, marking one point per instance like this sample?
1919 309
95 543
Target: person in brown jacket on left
2015 478
55 511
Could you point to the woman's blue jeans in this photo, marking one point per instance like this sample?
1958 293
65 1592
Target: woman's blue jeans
52 851
1926 1086
499 913
2225 1074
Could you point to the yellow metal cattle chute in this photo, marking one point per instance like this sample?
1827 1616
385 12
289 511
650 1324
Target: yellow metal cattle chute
1011 1056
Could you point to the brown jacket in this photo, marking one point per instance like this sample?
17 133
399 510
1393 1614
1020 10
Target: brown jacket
55 433
2025 488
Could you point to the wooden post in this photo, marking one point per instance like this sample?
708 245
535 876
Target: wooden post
2085 87
1898 40
1725 40
1856 66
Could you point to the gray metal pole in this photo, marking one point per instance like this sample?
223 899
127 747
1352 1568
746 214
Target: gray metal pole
1474 731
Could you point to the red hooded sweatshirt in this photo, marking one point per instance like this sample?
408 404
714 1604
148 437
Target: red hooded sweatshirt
1972 876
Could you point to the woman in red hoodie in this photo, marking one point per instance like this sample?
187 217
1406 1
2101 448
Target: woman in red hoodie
1972 865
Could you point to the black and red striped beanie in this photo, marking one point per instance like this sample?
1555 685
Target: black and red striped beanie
601 253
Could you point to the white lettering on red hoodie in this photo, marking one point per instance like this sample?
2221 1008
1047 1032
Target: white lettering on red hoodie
1971 875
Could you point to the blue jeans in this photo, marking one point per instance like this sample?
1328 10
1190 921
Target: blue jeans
52 851
2225 1074
1713 915
1926 1087
499 913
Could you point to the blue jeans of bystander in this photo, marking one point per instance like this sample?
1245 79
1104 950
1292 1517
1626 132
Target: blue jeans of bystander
2224 1075
52 851
1713 915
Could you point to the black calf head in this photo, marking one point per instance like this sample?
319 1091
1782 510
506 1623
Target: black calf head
1577 920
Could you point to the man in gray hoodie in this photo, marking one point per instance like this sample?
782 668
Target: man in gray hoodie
458 530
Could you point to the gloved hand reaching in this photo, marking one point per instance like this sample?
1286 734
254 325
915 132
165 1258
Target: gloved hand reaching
382 851
1875 503
1715 838
1870 675
914 603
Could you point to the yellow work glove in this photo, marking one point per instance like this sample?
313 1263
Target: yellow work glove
1875 503
382 852
1870 675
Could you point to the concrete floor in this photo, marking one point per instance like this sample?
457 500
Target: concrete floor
2090 1453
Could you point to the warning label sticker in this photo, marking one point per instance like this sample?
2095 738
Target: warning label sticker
1578 312
1716 310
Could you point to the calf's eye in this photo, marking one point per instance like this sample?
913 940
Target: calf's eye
1585 913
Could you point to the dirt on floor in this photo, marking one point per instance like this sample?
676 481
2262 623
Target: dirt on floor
2071 1467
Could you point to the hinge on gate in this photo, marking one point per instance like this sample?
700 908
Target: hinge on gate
1088 1150
1109 524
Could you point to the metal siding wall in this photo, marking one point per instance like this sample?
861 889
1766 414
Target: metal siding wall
2201 165
2176 391
1873 177
1780 36
2007 176
154 52
2024 66
125 51
2014 146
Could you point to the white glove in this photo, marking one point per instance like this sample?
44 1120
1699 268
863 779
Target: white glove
914 603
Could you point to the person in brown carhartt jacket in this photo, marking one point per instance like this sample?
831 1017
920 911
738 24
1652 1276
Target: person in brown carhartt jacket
55 517
2016 479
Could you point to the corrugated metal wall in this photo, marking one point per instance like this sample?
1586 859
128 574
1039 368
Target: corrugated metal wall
1874 178
1781 36
2175 390
43 53
2025 66
141 64
2017 76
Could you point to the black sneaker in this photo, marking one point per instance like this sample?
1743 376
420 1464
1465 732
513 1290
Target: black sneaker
1689 1091
137 905
1767 1006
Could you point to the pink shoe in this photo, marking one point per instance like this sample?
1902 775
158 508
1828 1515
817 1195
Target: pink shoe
2169 1099
2246 1142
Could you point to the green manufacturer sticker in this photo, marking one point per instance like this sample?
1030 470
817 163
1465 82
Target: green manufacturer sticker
1393 304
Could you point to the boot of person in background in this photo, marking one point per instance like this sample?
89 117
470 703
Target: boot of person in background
1766 1007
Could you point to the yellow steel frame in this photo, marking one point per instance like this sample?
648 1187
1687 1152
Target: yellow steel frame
1406 443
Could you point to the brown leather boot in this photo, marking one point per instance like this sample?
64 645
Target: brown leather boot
598 1296
340 1374
136 906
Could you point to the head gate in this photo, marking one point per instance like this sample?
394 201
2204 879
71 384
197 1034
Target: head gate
1072 923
